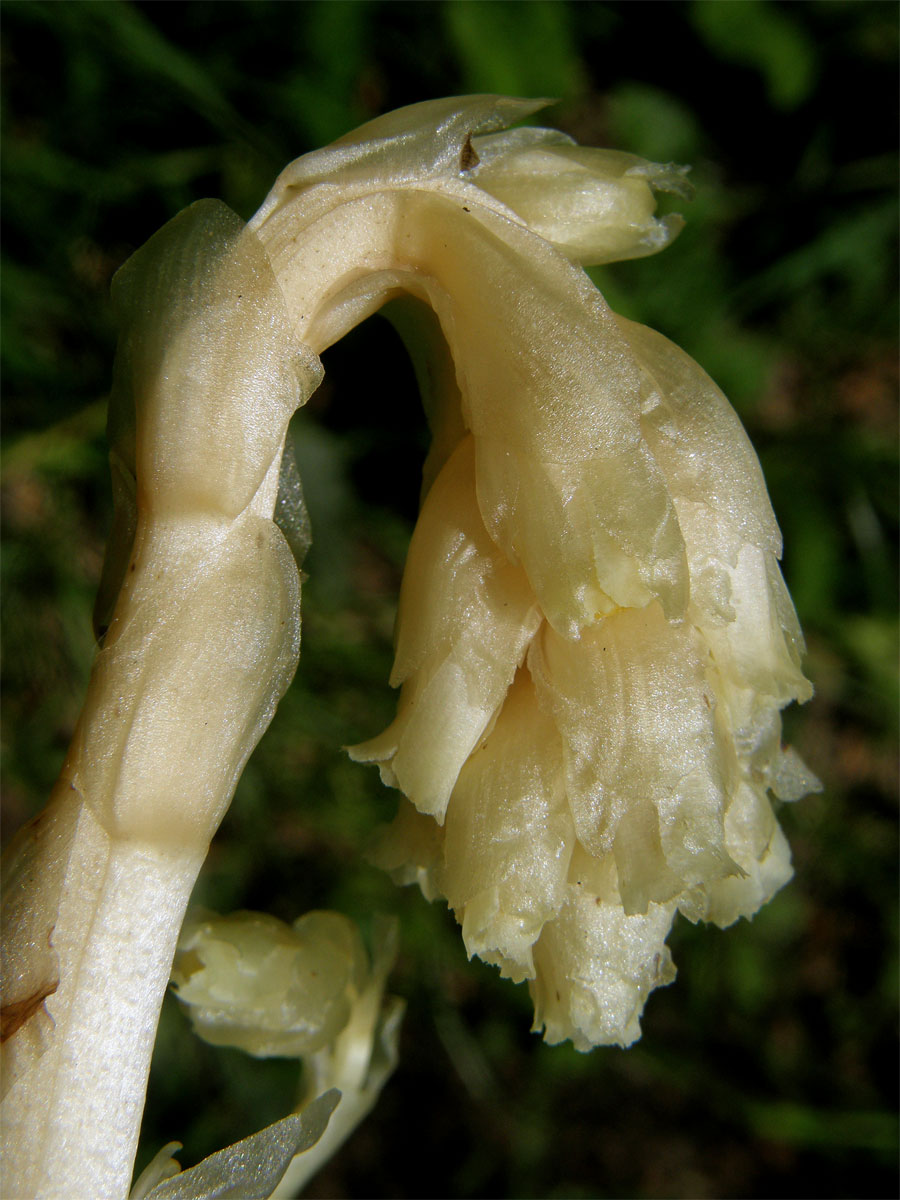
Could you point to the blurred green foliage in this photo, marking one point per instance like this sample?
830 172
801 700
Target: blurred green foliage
769 1069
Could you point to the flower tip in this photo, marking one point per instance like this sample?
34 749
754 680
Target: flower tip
595 206
792 778
671 178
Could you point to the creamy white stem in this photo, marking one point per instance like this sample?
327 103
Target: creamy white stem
70 1126
203 641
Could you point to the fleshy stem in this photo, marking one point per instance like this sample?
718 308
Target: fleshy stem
74 1131
203 641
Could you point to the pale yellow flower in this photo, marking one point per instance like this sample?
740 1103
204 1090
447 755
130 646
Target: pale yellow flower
307 990
251 981
593 639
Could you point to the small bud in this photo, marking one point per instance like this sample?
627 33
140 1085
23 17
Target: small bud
251 981
596 206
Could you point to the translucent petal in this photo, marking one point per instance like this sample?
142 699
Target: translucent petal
596 206
551 395
508 835
756 842
466 616
410 849
251 981
636 713
699 442
595 968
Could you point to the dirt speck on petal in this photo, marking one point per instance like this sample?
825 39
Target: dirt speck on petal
467 156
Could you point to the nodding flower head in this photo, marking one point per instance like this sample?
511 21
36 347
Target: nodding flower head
593 641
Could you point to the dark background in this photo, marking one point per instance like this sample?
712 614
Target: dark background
770 1067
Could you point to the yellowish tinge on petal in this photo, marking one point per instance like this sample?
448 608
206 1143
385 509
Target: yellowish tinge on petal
509 835
251 981
466 616
594 641
565 484
596 206
595 968
698 441
754 839
410 849
636 712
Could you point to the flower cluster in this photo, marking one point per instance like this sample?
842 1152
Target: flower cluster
594 641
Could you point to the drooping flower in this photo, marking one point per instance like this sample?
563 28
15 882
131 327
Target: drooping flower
593 640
